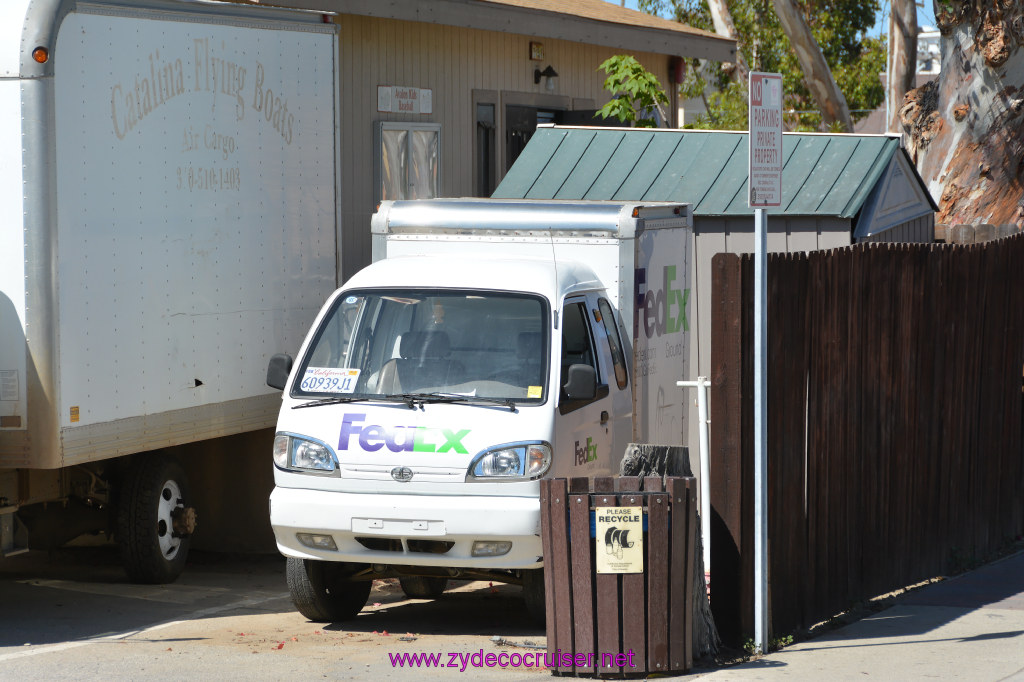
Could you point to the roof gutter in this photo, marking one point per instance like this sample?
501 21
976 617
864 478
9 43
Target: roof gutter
487 16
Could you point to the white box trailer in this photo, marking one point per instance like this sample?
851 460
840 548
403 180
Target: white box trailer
490 344
169 178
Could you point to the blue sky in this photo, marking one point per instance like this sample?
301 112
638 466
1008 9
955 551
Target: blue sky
925 18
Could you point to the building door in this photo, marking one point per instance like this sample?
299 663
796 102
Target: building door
522 121
520 124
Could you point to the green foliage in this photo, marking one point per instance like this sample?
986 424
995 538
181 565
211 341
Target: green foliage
859 79
751 650
780 642
840 28
636 92
726 109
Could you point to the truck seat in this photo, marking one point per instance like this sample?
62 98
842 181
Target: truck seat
425 363
528 352
575 346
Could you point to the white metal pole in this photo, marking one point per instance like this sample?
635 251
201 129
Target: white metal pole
705 471
701 384
760 430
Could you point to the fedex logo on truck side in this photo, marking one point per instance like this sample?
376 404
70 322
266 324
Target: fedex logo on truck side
585 453
373 437
663 311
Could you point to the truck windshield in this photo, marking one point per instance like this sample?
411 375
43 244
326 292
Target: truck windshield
476 344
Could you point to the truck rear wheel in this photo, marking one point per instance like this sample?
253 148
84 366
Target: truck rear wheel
154 521
323 592
423 587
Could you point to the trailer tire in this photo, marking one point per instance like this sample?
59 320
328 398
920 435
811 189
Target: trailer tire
423 587
153 498
533 593
322 592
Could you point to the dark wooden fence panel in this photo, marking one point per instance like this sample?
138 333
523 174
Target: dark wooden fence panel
732 580
895 419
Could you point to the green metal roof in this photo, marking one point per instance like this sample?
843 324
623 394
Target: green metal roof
822 174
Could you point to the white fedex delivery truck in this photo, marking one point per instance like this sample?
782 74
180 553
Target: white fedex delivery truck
490 344
170 203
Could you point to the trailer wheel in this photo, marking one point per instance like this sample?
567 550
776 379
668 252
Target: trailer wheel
533 593
322 592
154 521
423 587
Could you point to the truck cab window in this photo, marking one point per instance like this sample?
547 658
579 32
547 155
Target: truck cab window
577 349
614 343
382 343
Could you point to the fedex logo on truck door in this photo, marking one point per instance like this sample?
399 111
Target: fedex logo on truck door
662 311
373 437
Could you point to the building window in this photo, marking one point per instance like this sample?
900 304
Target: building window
485 161
409 160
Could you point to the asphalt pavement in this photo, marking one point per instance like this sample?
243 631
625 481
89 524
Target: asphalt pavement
70 615
970 627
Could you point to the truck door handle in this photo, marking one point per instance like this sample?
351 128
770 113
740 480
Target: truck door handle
604 417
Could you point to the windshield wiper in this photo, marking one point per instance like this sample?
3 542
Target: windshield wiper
411 399
439 397
338 400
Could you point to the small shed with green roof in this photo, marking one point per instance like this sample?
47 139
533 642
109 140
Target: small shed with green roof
837 190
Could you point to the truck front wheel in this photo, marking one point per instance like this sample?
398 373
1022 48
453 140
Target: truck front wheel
154 521
323 591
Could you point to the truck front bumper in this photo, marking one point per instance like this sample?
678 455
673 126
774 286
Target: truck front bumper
407 530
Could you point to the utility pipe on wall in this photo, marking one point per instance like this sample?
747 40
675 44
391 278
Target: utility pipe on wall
701 384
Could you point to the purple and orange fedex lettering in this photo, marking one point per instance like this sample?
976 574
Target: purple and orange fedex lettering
373 437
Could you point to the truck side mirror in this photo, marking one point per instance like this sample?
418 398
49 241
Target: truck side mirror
278 370
581 383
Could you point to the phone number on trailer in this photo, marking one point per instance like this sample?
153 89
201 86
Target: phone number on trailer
209 179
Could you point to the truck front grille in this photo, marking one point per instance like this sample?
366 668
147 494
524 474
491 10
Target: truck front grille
395 545
381 544
429 546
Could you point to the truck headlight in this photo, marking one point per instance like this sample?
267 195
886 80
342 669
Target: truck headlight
301 454
520 461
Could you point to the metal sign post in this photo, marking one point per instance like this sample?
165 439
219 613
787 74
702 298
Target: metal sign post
764 190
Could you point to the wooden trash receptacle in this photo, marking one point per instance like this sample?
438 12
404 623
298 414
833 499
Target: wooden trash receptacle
618 604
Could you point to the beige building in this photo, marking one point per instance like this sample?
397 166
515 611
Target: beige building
438 97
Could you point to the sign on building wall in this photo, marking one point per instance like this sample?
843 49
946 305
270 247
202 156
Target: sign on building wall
397 99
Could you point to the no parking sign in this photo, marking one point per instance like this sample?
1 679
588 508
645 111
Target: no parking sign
765 125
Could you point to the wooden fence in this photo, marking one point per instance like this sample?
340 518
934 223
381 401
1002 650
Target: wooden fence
611 623
895 419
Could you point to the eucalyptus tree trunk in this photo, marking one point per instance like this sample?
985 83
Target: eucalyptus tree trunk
902 58
724 26
966 128
817 75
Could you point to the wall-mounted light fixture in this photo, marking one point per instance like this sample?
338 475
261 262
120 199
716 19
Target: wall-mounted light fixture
549 73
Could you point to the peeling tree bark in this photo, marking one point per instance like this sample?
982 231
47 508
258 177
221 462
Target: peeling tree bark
817 75
724 26
902 58
966 128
